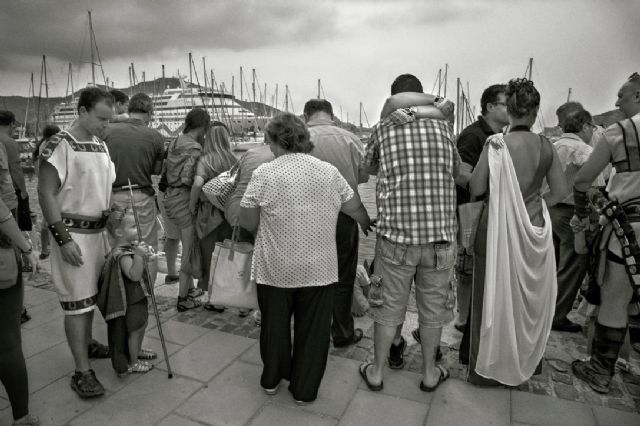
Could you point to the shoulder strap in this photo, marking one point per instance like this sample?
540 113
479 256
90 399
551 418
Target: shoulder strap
631 142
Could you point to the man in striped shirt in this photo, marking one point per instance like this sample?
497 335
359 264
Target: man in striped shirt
415 161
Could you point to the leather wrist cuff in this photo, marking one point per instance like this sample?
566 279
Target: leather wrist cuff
581 201
60 233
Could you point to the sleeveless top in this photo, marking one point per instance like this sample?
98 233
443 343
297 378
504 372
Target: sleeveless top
624 142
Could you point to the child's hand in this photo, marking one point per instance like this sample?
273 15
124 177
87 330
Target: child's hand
141 249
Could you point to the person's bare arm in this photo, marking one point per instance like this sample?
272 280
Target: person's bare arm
198 183
597 162
479 181
48 185
406 100
355 209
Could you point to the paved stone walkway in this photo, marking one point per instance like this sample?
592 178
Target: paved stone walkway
216 364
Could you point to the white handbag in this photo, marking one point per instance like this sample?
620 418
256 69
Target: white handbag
219 189
230 282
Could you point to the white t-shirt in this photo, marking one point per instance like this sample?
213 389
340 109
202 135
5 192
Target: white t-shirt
299 197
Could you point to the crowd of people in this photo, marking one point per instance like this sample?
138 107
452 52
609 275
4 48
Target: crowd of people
536 241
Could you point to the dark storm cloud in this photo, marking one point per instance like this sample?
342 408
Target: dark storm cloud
398 14
134 28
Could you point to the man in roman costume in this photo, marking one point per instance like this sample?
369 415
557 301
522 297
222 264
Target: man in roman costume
74 187
617 274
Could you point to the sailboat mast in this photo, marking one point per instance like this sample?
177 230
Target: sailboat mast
276 102
569 95
253 109
286 98
530 68
458 107
190 69
204 73
318 88
360 116
446 73
92 43
26 113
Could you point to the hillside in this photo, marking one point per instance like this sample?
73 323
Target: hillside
18 104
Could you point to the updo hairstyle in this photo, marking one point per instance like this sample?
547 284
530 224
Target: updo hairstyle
290 133
523 98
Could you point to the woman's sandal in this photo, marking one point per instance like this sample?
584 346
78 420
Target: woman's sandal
444 375
363 373
214 308
147 354
187 303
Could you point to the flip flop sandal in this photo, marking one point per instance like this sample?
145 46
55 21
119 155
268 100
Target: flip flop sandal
444 375
363 373
214 308
147 354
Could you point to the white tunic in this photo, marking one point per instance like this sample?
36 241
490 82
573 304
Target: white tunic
86 174
299 198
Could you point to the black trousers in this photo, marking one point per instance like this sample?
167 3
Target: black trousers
347 239
303 365
571 267
13 369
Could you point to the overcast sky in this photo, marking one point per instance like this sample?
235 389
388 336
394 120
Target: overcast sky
355 47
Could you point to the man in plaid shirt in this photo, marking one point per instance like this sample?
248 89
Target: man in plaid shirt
415 161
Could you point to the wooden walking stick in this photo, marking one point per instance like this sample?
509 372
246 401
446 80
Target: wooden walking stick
149 283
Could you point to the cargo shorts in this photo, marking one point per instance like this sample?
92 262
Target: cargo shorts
430 266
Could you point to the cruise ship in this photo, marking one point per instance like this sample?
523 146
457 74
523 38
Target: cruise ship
171 108
173 105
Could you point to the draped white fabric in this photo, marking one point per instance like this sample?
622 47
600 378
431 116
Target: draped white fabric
520 281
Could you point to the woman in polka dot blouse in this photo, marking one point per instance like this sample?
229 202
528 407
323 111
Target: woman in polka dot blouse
292 203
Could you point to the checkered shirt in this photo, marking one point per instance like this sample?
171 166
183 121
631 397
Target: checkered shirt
415 162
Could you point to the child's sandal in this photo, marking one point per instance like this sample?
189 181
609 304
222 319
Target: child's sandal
140 367
147 354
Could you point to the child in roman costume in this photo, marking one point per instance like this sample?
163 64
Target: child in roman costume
122 296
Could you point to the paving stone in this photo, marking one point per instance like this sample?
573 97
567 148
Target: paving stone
48 366
566 392
458 403
369 408
35 296
548 411
608 416
143 402
619 404
208 355
562 378
403 384
155 345
6 417
252 356
339 383
173 420
50 311
43 337
179 333
57 404
218 403
280 415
